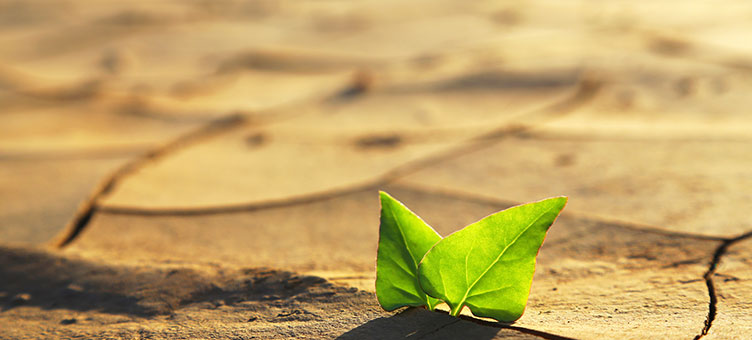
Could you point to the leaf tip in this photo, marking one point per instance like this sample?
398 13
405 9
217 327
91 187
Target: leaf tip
384 195
562 200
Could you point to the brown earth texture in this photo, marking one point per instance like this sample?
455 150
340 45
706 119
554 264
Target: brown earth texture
210 169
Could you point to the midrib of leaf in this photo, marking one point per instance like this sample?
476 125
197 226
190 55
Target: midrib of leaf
404 239
405 290
415 263
400 266
455 311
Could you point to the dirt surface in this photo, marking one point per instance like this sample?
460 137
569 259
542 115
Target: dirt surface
732 320
210 169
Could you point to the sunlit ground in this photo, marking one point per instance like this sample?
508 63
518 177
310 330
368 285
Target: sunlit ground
204 169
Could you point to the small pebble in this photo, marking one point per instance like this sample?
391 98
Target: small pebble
68 321
20 299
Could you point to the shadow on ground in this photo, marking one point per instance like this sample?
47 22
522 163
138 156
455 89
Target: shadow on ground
50 281
416 323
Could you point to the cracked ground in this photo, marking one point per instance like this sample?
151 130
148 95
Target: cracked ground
210 169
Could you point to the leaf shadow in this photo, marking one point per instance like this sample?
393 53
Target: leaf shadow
51 281
36 278
418 323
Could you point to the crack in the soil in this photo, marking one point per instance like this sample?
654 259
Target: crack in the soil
540 334
87 209
439 328
319 197
708 277
526 122
235 208
474 198
586 91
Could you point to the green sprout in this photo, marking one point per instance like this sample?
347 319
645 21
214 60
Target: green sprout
487 266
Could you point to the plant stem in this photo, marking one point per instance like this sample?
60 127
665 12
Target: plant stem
456 310
431 306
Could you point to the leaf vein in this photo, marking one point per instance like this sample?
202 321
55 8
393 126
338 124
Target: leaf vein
489 291
466 258
408 293
524 230
399 265
404 239
441 275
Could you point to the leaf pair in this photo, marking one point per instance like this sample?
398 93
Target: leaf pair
487 266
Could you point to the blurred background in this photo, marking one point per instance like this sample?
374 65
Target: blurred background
179 149
636 109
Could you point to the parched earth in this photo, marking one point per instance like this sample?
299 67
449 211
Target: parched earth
210 169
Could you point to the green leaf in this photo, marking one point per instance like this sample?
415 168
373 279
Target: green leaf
403 240
488 266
